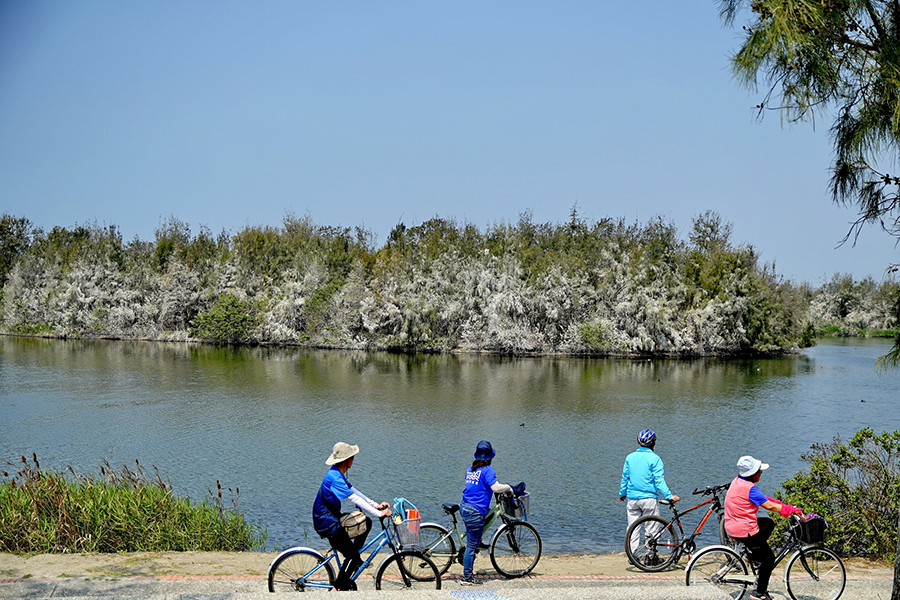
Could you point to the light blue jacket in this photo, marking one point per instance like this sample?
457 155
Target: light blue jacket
643 476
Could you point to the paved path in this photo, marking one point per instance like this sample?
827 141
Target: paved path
606 588
240 576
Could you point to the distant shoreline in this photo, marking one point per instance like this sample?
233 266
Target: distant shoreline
411 351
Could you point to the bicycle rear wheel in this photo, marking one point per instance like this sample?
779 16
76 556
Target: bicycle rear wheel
515 549
722 568
822 578
407 570
724 539
651 543
438 545
293 571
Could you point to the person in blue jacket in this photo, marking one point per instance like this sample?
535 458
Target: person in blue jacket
327 512
643 481
481 485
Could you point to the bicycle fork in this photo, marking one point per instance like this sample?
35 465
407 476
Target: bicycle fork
806 566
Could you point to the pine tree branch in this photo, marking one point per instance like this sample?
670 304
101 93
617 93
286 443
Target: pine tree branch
879 26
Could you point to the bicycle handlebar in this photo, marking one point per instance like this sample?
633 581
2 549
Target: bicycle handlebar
711 489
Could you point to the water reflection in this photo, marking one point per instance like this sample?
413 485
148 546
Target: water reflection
265 419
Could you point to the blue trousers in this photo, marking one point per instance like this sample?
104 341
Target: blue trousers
474 521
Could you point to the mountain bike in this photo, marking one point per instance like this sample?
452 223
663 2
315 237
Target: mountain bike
812 571
515 547
652 542
300 569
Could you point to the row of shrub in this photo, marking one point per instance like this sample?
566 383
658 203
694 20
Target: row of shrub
122 510
856 487
587 288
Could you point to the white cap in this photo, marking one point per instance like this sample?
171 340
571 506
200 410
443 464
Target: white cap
747 466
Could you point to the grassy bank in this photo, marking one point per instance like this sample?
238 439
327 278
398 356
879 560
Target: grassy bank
121 510
838 331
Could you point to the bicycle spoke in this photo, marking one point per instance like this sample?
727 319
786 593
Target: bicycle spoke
815 574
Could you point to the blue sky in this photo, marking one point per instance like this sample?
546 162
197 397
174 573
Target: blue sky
226 113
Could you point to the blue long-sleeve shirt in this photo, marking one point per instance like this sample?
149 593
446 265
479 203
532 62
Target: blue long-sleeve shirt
643 476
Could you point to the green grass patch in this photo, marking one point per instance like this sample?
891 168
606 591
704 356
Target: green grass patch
832 331
32 328
122 510
879 333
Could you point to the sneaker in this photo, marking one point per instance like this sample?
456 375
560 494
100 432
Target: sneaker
349 586
760 596
469 581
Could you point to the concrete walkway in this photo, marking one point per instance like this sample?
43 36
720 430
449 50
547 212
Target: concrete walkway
241 576
607 588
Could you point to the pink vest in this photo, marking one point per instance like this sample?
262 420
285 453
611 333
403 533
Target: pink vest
740 512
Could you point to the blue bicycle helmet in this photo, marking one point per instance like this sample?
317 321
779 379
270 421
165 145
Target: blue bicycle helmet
646 438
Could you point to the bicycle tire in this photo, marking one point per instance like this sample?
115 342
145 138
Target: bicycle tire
419 570
659 547
515 549
722 568
437 544
831 576
286 571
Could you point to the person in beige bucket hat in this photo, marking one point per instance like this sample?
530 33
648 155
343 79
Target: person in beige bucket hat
327 514
341 452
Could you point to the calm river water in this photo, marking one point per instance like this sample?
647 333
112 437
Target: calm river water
264 420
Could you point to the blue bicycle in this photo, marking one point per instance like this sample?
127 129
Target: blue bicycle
300 569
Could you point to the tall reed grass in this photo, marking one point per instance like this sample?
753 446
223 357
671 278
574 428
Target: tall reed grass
121 510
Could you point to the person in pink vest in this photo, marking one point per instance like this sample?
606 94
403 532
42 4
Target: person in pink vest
742 503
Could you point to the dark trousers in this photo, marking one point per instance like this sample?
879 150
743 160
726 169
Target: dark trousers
349 549
758 545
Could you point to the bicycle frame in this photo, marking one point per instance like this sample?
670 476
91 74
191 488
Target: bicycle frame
791 545
489 519
377 543
676 518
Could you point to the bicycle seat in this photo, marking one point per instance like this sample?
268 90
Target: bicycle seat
451 509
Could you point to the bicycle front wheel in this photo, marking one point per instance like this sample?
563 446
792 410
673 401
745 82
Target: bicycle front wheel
407 570
299 571
823 577
722 568
651 543
515 549
437 544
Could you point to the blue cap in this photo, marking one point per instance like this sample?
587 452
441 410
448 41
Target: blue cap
483 450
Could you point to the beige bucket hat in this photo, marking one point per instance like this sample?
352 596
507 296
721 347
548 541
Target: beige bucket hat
341 452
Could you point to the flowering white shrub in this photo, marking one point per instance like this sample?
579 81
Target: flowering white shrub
578 288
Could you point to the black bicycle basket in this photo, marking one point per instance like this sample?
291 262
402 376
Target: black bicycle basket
811 530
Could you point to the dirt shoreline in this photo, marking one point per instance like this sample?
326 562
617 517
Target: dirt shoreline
253 565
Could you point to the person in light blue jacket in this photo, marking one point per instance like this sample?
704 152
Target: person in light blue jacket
643 481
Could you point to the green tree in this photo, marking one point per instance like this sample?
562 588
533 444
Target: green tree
230 320
837 58
15 237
